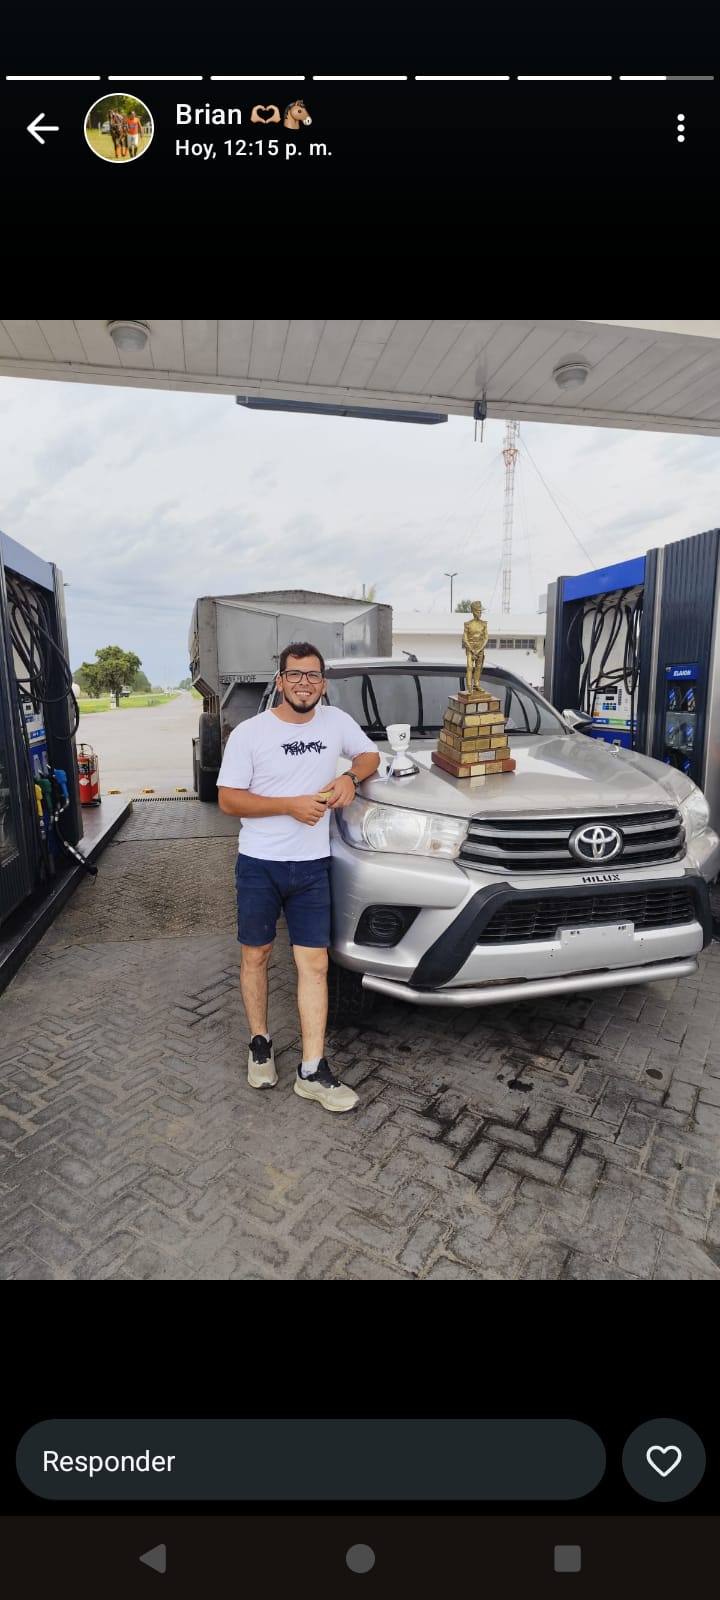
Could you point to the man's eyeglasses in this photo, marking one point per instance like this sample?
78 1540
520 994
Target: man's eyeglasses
294 676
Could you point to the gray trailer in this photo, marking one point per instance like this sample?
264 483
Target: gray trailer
235 643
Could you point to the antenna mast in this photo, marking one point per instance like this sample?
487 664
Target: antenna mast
510 455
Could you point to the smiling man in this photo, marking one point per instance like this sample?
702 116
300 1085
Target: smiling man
278 775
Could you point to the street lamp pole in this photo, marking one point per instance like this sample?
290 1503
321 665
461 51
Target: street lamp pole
450 575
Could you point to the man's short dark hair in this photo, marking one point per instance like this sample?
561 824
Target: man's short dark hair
301 651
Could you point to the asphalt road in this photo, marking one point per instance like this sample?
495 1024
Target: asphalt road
146 748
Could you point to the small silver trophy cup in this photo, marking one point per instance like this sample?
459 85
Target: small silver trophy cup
402 764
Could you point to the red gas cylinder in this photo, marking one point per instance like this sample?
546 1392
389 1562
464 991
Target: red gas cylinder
88 776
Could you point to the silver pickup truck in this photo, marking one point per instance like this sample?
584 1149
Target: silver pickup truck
587 867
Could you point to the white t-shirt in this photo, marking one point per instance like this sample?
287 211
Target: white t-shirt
272 757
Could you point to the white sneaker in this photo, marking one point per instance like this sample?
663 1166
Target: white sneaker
327 1090
261 1063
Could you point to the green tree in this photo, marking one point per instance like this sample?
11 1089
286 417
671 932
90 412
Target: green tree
116 669
185 683
80 677
122 102
464 605
88 678
140 684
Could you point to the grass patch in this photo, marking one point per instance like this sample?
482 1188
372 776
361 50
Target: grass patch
132 703
135 700
102 143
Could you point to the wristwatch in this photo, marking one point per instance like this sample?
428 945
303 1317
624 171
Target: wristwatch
356 780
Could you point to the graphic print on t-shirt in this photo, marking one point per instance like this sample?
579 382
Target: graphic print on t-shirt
297 748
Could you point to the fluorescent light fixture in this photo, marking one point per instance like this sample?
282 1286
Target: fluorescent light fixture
571 374
314 408
128 335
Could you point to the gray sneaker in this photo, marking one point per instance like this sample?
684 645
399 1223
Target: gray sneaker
261 1063
327 1090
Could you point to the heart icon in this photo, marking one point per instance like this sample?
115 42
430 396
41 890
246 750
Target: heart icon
273 114
663 1450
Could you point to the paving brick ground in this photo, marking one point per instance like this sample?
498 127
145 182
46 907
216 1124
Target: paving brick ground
578 1139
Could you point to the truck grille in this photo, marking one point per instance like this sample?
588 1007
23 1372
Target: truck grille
520 921
529 844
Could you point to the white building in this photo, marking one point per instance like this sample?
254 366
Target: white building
515 640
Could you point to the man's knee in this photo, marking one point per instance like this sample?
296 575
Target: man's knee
311 960
255 955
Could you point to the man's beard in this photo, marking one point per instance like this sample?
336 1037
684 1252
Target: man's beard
303 705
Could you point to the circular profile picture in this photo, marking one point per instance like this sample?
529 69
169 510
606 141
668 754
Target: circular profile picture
119 128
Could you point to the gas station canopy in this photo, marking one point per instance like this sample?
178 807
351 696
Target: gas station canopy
657 376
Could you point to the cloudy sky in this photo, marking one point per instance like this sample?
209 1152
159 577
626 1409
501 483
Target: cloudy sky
146 500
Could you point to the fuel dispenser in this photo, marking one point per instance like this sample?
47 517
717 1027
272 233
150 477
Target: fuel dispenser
40 818
592 663
681 715
635 649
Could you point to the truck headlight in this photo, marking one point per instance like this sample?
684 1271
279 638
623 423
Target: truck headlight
370 826
695 813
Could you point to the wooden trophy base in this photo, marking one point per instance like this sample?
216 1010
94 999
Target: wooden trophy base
473 740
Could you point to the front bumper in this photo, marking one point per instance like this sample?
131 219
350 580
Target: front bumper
442 959
495 993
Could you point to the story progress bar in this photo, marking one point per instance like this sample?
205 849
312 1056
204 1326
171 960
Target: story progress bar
271 77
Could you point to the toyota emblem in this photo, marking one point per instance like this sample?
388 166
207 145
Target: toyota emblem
597 842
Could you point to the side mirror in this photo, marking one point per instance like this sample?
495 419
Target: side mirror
577 719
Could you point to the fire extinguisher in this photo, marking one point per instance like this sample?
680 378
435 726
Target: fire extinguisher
88 776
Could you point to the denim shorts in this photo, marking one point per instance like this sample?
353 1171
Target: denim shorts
300 889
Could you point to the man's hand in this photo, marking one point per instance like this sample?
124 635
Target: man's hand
307 808
342 791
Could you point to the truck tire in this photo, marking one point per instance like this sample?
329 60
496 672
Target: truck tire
348 1002
208 749
207 783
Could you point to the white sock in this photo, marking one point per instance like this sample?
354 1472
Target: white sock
262 1036
307 1068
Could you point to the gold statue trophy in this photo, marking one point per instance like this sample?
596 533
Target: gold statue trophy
474 639
473 741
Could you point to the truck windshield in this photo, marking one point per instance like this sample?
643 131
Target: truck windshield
375 699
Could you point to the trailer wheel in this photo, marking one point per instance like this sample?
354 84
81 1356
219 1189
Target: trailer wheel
207 783
209 741
348 1002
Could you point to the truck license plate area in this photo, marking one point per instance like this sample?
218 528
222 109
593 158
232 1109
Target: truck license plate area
591 938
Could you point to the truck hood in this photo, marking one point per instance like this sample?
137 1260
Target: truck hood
568 774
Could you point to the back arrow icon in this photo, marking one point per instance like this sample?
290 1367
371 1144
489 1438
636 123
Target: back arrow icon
36 124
